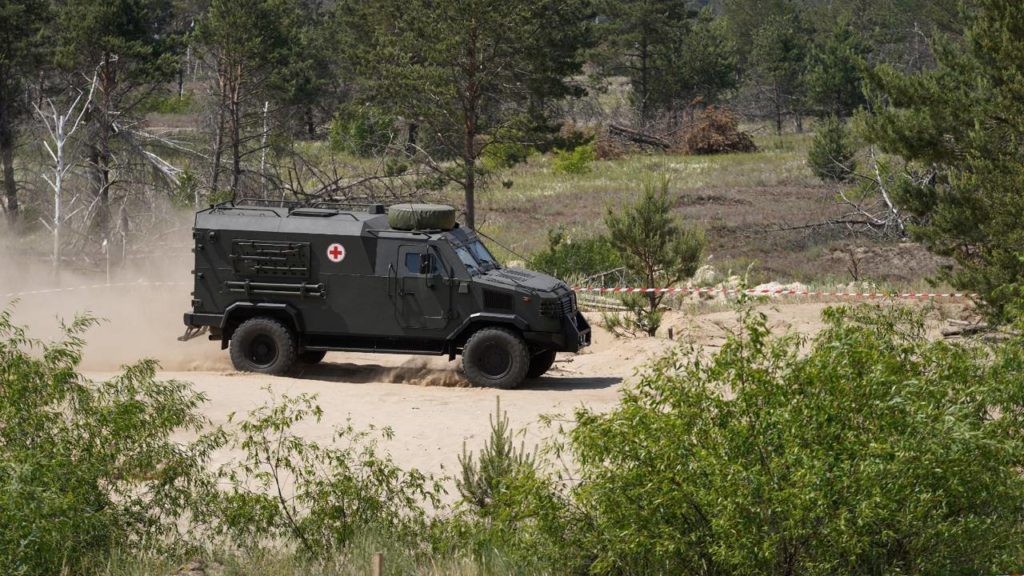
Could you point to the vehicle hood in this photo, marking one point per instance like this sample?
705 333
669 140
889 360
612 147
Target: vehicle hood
528 279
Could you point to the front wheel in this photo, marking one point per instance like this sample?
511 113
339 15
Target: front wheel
540 363
496 358
263 345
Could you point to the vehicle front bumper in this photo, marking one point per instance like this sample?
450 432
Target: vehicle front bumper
574 336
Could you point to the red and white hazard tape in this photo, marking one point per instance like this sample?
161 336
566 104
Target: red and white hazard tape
91 287
781 292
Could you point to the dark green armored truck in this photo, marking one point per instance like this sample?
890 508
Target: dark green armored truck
285 284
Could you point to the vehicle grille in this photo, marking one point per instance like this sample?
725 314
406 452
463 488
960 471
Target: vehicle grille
564 306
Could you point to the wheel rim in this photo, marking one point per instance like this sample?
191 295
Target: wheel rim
262 350
495 361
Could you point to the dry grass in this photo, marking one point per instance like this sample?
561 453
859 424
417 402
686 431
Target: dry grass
752 207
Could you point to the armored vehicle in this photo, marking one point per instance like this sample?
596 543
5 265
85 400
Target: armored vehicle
281 285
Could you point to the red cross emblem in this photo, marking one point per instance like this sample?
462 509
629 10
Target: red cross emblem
335 253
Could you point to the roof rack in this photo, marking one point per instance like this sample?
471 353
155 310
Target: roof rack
341 206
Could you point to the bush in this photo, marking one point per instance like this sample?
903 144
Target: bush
511 514
637 319
498 156
363 131
339 492
868 450
575 161
715 131
87 467
831 156
576 258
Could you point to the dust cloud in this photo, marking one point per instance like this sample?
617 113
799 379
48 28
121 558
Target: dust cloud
140 311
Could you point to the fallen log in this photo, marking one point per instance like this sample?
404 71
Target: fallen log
637 137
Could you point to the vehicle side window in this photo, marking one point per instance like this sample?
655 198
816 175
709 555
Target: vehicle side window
414 264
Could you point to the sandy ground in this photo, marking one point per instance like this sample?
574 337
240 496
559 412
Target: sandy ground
430 408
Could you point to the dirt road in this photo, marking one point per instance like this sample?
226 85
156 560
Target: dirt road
430 408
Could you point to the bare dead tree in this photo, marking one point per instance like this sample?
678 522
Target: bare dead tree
61 126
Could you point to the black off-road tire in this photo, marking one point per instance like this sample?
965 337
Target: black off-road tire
263 345
540 363
495 358
311 357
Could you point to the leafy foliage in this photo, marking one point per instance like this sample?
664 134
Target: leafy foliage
832 154
869 450
363 131
656 248
86 467
575 161
316 497
576 257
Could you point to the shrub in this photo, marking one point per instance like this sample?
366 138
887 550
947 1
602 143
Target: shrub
511 515
575 161
576 258
363 131
498 156
87 467
831 156
655 246
715 131
868 450
337 492
637 319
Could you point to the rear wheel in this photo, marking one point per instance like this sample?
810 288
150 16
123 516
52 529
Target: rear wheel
495 358
540 363
263 345
312 356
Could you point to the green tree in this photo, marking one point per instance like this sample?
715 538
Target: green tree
129 45
252 46
831 156
961 125
641 38
21 26
474 73
834 77
779 60
655 246
868 450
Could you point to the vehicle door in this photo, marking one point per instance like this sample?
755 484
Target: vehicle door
423 294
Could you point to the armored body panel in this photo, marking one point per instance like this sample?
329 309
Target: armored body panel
347 280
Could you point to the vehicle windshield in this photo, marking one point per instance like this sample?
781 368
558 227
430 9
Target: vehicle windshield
482 255
472 266
476 257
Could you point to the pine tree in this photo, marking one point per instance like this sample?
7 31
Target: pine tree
21 25
655 246
779 61
831 156
834 78
473 72
641 39
255 47
129 46
962 125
